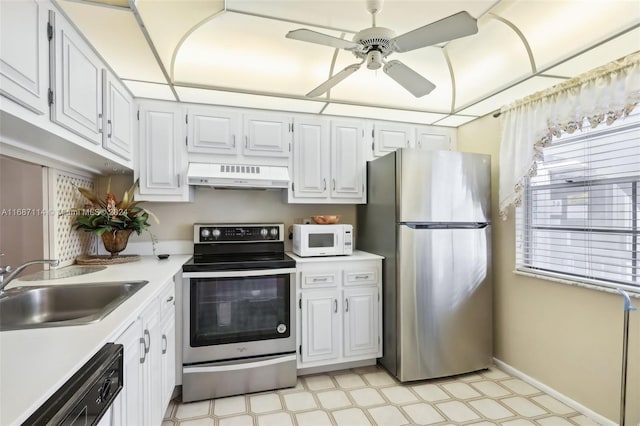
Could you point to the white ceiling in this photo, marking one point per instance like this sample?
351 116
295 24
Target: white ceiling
234 52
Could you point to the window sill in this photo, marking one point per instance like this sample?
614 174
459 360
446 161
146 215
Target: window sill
603 287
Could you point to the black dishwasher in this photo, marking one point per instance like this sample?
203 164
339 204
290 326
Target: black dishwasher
86 396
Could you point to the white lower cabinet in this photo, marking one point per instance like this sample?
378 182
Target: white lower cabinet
340 318
361 336
320 325
149 364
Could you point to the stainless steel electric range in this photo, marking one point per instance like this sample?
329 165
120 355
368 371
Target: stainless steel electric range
238 312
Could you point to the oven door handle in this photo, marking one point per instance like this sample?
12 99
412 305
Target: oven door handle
243 363
247 273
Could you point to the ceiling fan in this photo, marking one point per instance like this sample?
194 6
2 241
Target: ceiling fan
373 45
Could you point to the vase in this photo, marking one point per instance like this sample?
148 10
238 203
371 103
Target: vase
116 241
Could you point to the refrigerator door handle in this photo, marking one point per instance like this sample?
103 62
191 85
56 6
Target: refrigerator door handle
447 225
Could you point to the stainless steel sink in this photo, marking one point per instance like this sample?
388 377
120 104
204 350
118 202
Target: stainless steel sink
62 305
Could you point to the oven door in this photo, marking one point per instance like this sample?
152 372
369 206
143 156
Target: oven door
238 314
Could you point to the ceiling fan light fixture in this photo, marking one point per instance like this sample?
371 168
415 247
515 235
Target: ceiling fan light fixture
374 60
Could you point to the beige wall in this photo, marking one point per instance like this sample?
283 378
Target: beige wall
221 206
21 235
566 337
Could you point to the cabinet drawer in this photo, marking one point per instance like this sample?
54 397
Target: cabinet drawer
316 279
364 275
167 299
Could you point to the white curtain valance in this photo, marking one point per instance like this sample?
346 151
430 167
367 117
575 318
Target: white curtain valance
599 96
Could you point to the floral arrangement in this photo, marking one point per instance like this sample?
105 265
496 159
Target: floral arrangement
111 215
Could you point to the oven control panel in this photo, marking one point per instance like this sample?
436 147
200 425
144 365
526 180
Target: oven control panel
234 233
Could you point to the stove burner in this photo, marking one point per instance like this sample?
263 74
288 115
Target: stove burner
225 247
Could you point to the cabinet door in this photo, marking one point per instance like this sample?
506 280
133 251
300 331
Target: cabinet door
77 98
118 137
161 143
320 325
24 53
388 137
267 135
348 167
168 359
311 159
152 336
428 138
213 131
361 321
127 407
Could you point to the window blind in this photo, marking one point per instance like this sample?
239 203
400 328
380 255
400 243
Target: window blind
580 216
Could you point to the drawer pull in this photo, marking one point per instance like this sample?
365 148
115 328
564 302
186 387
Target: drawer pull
320 280
362 277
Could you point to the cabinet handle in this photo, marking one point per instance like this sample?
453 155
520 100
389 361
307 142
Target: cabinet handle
144 350
166 344
335 305
179 180
324 182
334 184
169 299
109 132
361 277
147 346
100 123
246 141
233 141
346 305
320 280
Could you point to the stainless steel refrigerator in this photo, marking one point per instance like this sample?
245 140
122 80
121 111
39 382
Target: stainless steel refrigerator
428 214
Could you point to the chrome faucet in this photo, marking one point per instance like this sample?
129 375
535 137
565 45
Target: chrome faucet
13 273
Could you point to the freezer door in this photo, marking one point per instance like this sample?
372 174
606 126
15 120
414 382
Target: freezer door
444 301
443 186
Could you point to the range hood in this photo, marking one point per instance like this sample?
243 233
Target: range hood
238 176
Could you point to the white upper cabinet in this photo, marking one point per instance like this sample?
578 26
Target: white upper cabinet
77 94
267 135
327 162
162 164
435 138
348 168
24 54
119 116
387 137
310 160
213 130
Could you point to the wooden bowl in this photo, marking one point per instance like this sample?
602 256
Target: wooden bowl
326 219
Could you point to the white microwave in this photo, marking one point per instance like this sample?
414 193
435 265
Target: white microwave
322 240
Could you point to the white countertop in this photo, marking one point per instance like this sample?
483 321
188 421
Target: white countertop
357 255
35 363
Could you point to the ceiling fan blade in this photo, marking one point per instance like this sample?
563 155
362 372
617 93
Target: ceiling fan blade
334 80
408 78
455 26
319 38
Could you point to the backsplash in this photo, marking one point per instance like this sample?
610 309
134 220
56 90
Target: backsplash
66 243
223 206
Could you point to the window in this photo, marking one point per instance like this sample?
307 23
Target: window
580 216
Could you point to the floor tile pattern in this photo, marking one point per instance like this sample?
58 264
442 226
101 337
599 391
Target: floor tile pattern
370 396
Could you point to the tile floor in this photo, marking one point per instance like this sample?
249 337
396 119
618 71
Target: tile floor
370 396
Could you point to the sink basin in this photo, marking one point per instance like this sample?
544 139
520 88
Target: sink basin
62 305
